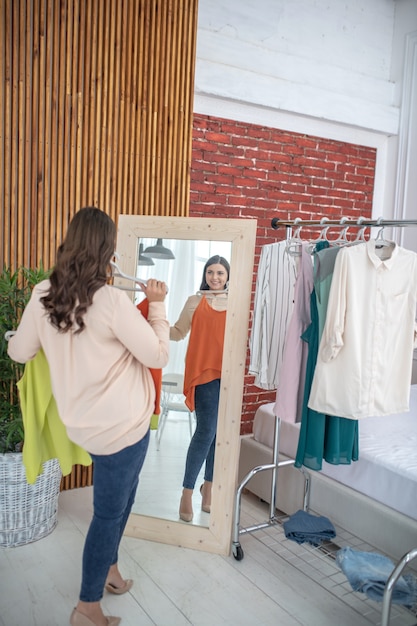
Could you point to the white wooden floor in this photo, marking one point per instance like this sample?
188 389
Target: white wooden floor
278 582
160 484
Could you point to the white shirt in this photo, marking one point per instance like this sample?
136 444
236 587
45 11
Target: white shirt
365 355
274 302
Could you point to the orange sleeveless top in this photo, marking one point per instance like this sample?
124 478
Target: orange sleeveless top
203 361
155 373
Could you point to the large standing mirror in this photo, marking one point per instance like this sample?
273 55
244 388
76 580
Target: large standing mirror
192 241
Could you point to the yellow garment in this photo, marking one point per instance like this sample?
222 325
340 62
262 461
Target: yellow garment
45 434
154 422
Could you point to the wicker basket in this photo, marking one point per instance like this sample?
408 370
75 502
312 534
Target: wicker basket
27 512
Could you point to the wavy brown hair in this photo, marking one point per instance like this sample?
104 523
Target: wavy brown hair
81 268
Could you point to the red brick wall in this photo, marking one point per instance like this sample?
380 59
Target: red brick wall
251 171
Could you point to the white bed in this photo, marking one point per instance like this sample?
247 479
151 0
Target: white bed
375 497
387 465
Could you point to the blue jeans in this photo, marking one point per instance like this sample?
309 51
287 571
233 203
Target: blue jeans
368 572
116 477
203 442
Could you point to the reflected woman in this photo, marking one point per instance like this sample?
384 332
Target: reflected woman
204 316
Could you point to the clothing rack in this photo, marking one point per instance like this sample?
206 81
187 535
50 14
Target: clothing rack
237 551
346 223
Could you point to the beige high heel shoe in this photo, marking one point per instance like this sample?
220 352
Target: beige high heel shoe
186 505
118 591
205 491
78 619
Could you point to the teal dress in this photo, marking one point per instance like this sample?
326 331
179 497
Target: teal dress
332 438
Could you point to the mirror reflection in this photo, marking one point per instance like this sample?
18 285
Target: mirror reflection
177 476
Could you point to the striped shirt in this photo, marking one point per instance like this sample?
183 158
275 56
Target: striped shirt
274 301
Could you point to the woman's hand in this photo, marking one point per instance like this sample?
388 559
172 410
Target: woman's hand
155 290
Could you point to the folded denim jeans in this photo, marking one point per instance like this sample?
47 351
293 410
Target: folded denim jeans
368 572
305 527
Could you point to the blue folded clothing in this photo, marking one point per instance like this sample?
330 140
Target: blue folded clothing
368 572
305 527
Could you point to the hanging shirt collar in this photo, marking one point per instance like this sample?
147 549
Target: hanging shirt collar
374 252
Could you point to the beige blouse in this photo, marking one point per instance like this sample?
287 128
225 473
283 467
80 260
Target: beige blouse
182 326
100 377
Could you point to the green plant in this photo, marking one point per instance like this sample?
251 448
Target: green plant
15 289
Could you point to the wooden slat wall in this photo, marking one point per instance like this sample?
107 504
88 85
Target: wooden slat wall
96 104
80 476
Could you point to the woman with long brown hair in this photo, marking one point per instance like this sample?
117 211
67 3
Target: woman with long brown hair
99 349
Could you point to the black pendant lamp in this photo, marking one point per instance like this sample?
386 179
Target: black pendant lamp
159 251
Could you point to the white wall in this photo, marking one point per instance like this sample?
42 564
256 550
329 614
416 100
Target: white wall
323 59
328 68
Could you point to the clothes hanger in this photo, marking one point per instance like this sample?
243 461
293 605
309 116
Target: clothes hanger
311 248
360 237
210 292
118 273
342 239
380 242
295 243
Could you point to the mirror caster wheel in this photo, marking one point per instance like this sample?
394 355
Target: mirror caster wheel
237 551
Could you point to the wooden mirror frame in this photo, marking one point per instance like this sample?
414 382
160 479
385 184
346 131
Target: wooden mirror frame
215 538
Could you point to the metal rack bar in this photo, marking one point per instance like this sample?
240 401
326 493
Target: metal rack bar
276 463
395 575
343 222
